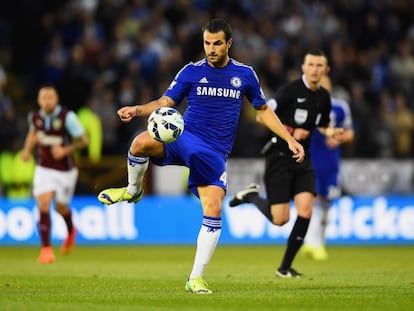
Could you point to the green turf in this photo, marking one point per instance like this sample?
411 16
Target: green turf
242 278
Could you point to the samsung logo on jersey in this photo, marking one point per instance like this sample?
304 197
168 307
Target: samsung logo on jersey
217 91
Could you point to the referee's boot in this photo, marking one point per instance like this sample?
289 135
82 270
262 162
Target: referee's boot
243 195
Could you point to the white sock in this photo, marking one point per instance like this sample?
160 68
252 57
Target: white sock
315 236
137 167
206 244
325 205
314 231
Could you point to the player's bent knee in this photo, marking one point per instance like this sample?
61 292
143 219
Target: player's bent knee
145 145
280 222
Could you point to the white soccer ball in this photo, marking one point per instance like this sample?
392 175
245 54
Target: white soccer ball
165 124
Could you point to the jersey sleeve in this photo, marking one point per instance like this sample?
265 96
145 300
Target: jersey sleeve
178 88
254 92
30 122
326 113
348 122
73 125
281 98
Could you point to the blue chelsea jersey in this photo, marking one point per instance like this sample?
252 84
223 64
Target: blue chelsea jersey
214 99
325 157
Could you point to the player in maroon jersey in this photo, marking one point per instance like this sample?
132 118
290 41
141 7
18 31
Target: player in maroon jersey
57 134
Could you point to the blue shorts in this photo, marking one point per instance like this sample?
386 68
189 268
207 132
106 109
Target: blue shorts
207 166
327 183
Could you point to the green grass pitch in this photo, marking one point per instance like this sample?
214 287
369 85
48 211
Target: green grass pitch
242 278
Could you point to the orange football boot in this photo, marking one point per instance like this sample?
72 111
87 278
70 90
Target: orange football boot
46 255
69 243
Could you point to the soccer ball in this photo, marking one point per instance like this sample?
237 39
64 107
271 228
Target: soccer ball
165 124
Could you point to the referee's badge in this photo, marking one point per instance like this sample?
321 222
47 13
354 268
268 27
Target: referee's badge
300 115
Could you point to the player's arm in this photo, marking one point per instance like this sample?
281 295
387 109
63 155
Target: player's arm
31 139
29 144
127 113
78 143
337 133
79 138
349 135
344 137
267 117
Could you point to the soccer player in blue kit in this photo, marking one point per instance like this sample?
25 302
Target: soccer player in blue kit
325 153
214 88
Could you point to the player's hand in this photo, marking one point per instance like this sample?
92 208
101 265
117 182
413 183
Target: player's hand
339 134
332 143
58 152
336 139
298 151
300 134
25 155
127 113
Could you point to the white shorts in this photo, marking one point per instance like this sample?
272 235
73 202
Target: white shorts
62 183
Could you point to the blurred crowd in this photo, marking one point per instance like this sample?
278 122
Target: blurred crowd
110 53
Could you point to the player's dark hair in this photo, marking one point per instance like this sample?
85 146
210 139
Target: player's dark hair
217 25
316 52
48 86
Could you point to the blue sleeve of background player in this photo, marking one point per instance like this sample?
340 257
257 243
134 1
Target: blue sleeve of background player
347 122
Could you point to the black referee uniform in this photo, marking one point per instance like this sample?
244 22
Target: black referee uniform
297 107
301 107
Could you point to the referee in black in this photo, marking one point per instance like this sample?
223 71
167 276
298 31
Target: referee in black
302 105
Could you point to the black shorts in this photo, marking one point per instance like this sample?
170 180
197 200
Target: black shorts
284 177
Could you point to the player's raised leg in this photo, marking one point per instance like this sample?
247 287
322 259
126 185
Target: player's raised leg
137 166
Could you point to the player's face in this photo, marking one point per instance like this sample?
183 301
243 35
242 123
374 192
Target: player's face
216 48
314 67
47 99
